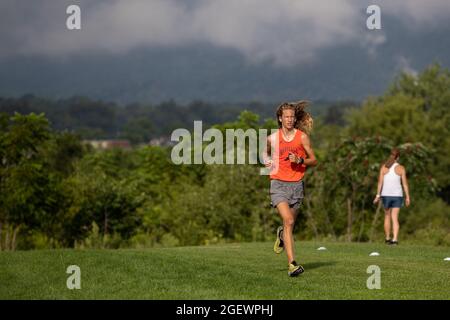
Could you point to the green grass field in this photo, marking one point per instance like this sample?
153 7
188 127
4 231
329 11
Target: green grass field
232 271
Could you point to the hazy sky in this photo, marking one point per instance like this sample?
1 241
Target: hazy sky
284 31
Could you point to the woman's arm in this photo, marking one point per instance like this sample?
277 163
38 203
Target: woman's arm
380 185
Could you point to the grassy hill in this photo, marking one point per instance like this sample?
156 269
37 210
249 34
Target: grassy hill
232 271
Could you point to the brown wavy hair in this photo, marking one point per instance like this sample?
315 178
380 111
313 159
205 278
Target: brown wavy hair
303 119
395 153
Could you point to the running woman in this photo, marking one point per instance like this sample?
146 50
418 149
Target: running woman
390 181
291 153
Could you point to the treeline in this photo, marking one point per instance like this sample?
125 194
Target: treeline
56 192
140 122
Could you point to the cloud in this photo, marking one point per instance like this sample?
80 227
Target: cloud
417 12
371 41
404 65
285 32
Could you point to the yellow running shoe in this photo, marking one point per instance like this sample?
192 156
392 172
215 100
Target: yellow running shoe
278 247
295 269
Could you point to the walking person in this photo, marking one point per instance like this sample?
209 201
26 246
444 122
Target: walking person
391 183
288 153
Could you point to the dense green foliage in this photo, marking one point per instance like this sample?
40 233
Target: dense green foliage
414 109
57 192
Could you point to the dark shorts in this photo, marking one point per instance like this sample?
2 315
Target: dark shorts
392 202
285 191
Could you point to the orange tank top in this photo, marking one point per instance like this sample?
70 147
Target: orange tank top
283 169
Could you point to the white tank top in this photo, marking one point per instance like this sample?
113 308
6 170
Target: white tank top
392 186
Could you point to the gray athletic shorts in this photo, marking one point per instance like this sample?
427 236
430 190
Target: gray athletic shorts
284 191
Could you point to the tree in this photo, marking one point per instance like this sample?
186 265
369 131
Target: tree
98 198
24 181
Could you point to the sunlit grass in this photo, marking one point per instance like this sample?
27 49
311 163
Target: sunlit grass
232 271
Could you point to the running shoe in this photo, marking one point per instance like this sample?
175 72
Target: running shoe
278 247
295 269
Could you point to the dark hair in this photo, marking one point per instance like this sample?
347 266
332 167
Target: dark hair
303 119
395 153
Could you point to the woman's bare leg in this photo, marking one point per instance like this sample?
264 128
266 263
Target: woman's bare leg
387 223
395 224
